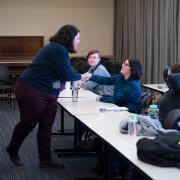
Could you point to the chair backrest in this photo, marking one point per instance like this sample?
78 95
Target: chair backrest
104 60
113 67
83 67
4 75
75 61
171 119
146 96
165 76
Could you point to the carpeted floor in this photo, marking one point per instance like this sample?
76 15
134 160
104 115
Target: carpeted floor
75 166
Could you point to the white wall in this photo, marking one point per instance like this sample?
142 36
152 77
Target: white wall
45 17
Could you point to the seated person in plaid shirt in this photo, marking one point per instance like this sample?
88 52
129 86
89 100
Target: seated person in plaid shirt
127 93
127 88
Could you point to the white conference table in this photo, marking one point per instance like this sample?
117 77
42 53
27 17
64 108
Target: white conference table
82 93
161 88
66 95
86 105
106 126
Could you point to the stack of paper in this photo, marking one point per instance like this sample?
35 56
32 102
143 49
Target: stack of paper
114 109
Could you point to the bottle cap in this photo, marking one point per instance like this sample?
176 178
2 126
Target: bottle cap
153 106
132 117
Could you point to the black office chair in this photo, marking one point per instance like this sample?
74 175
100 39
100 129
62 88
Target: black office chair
75 61
83 67
145 98
113 67
6 87
104 60
165 76
171 119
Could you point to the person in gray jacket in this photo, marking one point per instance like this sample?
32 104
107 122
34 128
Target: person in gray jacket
93 58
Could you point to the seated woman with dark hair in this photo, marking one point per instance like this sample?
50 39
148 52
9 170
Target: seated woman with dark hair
127 88
127 93
171 99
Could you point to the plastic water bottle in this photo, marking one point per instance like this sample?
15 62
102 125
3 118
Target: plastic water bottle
74 94
73 85
74 88
132 124
153 111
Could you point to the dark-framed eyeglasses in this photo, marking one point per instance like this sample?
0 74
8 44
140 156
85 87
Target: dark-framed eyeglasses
125 64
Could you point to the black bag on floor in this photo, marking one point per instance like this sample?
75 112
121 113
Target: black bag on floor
162 151
88 141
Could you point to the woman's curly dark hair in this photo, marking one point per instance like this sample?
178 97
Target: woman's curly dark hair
136 69
65 36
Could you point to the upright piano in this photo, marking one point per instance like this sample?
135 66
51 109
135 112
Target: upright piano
17 52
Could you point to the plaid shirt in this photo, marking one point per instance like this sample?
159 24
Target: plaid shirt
127 93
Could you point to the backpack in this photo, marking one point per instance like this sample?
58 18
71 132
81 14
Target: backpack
164 150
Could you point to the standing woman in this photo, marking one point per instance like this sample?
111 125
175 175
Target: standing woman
37 91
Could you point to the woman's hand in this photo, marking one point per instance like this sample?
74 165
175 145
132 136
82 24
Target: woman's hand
98 98
80 82
85 76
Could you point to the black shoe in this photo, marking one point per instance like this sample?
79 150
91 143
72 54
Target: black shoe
99 169
115 175
14 158
117 178
88 178
51 164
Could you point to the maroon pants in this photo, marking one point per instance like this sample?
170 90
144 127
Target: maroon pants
35 107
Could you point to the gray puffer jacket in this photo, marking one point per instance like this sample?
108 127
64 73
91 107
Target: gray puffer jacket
145 126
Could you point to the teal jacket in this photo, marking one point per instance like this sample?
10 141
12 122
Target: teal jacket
127 93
